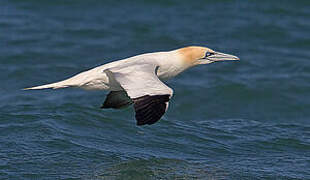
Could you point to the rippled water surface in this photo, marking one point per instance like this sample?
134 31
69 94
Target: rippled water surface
246 120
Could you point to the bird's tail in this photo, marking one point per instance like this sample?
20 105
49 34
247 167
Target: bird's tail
78 80
57 85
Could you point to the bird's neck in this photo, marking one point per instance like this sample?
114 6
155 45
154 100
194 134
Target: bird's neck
170 65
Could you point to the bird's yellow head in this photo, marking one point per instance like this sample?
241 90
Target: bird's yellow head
194 55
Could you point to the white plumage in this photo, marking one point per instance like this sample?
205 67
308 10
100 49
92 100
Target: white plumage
138 79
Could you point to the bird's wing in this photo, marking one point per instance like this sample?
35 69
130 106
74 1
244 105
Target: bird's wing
149 94
117 100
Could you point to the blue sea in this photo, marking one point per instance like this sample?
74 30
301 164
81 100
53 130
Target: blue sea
228 120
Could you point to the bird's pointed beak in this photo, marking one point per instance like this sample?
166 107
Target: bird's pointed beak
218 56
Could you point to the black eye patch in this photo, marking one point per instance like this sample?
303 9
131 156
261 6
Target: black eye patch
209 54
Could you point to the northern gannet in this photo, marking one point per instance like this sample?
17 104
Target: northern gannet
138 80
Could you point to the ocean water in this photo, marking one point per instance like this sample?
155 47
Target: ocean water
245 120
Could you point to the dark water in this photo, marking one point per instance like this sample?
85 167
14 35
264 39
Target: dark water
246 120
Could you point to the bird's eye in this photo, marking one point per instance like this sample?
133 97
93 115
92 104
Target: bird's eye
209 54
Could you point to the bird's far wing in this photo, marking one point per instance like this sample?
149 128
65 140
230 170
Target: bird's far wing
117 100
149 94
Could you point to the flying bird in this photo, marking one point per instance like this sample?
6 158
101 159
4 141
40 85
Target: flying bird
138 80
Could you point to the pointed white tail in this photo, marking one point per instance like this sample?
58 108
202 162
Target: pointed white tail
57 85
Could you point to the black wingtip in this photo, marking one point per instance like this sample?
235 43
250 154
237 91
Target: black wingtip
149 109
104 106
116 100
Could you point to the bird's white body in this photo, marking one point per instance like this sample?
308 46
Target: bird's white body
138 79
98 79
